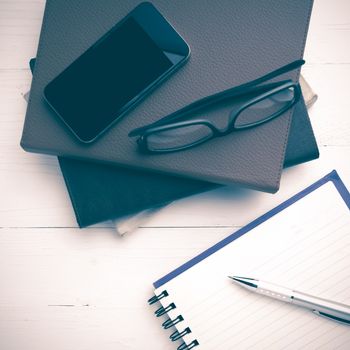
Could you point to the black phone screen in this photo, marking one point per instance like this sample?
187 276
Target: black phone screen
101 84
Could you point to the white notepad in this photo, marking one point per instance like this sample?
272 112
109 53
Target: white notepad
303 244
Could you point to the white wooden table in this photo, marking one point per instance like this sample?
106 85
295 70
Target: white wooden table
66 288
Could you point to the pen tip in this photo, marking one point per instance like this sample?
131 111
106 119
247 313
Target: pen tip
235 278
244 280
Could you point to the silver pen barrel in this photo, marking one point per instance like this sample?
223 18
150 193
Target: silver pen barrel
324 307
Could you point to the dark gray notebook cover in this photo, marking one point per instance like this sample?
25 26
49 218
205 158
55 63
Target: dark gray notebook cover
231 41
102 192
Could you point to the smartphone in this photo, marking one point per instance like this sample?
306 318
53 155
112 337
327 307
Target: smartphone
116 72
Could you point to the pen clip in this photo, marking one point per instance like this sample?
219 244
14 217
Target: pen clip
331 317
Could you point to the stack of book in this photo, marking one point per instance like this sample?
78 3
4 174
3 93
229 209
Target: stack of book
110 178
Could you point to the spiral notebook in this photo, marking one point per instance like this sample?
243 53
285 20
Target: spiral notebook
302 244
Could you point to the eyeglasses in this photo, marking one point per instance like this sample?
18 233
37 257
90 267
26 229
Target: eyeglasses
258 104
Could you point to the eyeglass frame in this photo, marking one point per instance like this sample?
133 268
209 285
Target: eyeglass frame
247 88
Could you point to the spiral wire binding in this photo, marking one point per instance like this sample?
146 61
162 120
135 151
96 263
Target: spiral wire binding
172 322
156 298
177 335
163 310
184 346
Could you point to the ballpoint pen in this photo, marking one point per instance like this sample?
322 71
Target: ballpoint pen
323 307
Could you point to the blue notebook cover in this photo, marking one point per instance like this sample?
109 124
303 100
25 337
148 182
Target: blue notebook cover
332 176
302 244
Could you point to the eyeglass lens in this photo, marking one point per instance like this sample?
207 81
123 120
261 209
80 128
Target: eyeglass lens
187 135
172 139
264 109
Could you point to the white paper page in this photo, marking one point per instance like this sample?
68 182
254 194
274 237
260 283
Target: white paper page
305 247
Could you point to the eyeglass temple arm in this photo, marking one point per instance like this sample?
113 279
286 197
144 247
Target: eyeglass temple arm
205 101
